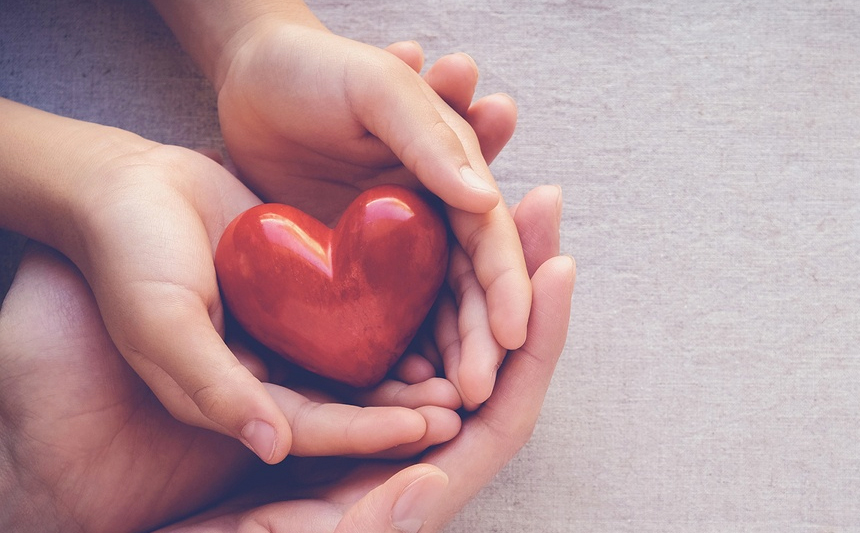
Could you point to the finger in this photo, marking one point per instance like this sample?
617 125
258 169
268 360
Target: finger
414 368
421 360
425 342
447 332
442 426
527 373
479 354
494 119
454 78
442 150
428 137
492 242
507 419
199 380
410 52
400 505
434 391
338 429
538 218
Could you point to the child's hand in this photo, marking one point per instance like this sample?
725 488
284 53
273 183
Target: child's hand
311 119
140 220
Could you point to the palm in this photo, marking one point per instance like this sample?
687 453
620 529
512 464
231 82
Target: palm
489 437
100 449
95 451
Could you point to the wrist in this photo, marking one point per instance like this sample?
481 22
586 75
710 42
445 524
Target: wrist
50 166
213 31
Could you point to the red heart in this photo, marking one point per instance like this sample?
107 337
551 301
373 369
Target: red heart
343 303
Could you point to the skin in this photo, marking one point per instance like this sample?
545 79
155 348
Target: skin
138 220
86 446
305 116
93 196
156 281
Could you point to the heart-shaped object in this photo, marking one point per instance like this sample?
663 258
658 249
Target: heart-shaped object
342 303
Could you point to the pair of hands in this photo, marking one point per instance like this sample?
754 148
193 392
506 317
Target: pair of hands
153 215
91 449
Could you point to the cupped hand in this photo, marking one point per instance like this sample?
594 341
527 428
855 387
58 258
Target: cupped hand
87 447
140 221
311 119
383 497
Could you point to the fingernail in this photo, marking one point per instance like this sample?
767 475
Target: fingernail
559 204
471 60
417 502
473 180
259 436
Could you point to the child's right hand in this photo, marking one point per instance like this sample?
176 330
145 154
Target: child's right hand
141 220
311 119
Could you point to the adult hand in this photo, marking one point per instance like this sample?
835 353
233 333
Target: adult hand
86 446
382 497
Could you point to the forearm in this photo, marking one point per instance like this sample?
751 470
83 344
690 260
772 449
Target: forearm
46 162
211 30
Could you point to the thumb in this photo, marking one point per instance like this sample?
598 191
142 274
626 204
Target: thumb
176 350
400 505
430 139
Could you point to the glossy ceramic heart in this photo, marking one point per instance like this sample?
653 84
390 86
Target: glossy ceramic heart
343 303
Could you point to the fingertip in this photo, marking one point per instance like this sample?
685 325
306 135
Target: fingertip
418 501
413 368
567 266
508 320
260 437
494 120
402 504
482 196
265 431
510 303
269 444
477 373
442 424
435 391
571 266
476 386
415 424
410 52
562 268
454 78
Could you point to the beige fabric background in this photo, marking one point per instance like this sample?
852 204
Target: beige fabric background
710 157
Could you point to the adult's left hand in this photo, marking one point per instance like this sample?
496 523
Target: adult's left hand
426 492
